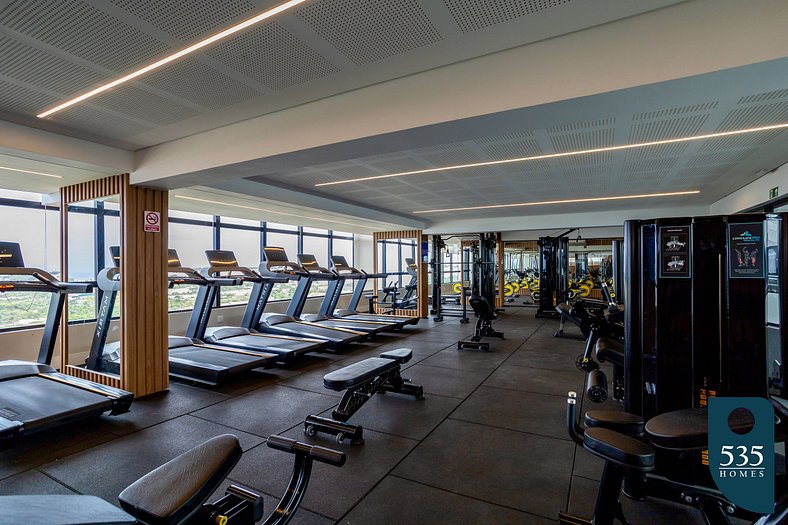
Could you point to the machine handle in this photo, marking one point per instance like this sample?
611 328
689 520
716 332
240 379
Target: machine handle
322 454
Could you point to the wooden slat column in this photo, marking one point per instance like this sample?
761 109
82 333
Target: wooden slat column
421 291
144 367
144 317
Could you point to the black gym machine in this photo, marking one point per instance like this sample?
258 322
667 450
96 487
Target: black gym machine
436 264
553 273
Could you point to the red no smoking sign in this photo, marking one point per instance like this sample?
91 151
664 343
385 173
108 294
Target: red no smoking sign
152 221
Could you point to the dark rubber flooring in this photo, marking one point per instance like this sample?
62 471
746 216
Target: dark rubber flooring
487 445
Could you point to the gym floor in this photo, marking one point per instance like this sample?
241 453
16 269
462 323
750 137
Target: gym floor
488 445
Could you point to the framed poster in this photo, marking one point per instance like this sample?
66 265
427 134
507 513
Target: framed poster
674 252
745 251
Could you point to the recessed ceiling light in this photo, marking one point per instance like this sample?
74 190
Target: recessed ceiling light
175 56
556 155
565 201
32 172
255 208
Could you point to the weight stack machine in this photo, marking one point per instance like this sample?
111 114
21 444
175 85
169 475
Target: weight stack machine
696 313
553 273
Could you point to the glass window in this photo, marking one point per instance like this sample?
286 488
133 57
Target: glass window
344 247
393 262
343 234
20 195
242 222
191 241
280 226
176 214
314 230
287 241
245 244
317 246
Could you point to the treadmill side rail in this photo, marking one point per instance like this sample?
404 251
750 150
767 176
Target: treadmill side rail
121 399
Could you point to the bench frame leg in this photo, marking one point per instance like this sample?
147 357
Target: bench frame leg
353 399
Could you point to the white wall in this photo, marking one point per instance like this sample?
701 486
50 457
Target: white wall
754 193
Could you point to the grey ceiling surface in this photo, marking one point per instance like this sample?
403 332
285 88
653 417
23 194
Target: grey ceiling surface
51 50
746 97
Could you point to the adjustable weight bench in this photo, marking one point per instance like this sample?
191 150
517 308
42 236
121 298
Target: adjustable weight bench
485 315
360 381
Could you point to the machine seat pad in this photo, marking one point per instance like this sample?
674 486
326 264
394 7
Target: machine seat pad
173 491
687 429
610 350
62 510
358 373
400 355
481 307
629 452
622 422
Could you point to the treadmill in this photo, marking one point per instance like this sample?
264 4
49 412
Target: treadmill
276 268
189 358
286 347
33 395
318 273
341 267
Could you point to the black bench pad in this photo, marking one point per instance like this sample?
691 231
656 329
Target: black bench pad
688 429
61 510
170 493
400 355
629 452
356 374
617 420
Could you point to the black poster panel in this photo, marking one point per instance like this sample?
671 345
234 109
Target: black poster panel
674 250
745 250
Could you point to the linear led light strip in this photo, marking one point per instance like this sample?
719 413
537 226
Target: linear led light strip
566 201
556 155
272 211
175 56
32 172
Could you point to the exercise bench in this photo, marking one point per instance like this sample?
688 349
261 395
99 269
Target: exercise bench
485 315
360 381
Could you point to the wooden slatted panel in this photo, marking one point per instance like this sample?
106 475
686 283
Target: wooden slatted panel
144 368
84 191
90 375
526 246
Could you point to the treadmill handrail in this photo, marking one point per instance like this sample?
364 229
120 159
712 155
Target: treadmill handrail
45 279
288 268
247 274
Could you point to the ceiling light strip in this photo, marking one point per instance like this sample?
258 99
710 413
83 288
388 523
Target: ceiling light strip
565 201
175 56
557 155
32 172
255 208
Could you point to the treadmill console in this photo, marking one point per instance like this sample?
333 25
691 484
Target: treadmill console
218 258
11 255
173 261
275 254
114 251
339 261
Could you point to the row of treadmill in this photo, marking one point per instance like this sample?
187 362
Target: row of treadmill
34 396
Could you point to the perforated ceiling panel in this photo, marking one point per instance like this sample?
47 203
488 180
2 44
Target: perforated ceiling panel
42 69
21 99
82 30
271 55
214 90
471 15
187 19
99 122
370 30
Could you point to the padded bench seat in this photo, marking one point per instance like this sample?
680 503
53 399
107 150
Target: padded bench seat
357 374
628 452
622 422
688 429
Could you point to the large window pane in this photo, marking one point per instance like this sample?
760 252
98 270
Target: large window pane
81 263
176 214
393 262
190 242
318 231
243 222
246 246
280 226
344 247
284 240
317 246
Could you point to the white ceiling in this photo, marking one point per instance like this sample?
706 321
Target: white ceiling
52 49
745 97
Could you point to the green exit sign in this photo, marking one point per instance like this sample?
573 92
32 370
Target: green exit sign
774 192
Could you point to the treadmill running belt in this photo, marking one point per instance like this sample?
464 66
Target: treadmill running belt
271 344
215 358
37 401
